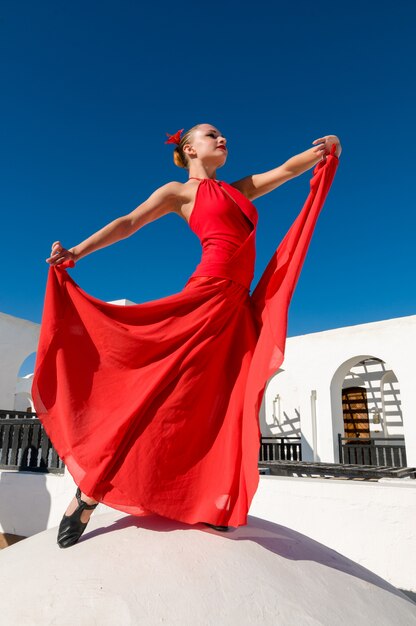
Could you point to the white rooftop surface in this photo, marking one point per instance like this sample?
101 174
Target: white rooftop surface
149 570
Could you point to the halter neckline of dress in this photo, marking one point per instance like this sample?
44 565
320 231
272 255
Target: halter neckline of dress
195 178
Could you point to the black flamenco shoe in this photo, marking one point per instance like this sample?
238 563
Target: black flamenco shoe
221 529
71 527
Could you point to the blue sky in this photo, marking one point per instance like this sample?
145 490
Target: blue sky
91 88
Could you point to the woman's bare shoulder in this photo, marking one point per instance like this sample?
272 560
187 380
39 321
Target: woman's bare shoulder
175 189
180 188
179 196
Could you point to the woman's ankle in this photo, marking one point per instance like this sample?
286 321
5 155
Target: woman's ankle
87 499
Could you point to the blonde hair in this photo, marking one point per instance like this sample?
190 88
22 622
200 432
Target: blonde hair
179 157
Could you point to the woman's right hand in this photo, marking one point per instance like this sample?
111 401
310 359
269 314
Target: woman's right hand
59 254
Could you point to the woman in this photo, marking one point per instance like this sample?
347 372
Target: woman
153 407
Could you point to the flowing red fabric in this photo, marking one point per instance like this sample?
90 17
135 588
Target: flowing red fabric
154 407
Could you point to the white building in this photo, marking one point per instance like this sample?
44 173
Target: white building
357 380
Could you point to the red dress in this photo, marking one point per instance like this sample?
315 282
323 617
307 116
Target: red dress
154 407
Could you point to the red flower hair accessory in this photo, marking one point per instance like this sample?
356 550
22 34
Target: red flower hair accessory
176 138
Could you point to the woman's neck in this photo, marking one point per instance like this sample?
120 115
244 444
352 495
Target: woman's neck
198 170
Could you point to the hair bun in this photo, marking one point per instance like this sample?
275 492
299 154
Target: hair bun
178 159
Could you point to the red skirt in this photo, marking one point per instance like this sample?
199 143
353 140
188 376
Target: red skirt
153 420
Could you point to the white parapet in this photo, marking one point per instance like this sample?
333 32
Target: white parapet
372 523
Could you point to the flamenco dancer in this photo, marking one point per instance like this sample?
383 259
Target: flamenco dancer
154 407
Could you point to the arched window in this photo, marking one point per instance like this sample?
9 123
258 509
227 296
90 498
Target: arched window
23 394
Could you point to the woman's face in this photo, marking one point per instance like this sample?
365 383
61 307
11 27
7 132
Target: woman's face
208 144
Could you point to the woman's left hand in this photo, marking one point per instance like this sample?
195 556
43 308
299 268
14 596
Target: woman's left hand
325 144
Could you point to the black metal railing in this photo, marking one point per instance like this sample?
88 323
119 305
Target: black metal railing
334 470
24 444
280 449
383 452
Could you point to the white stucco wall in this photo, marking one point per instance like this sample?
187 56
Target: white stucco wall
321 361
18 339
372 523
31 501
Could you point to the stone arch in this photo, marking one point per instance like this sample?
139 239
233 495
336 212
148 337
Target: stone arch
369 372
23 402
23 388
280 410
336 387
391 405
27 365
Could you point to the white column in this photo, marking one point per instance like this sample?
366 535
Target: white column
314 430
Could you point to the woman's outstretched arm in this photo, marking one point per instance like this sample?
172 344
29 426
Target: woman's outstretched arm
257 185
164 200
